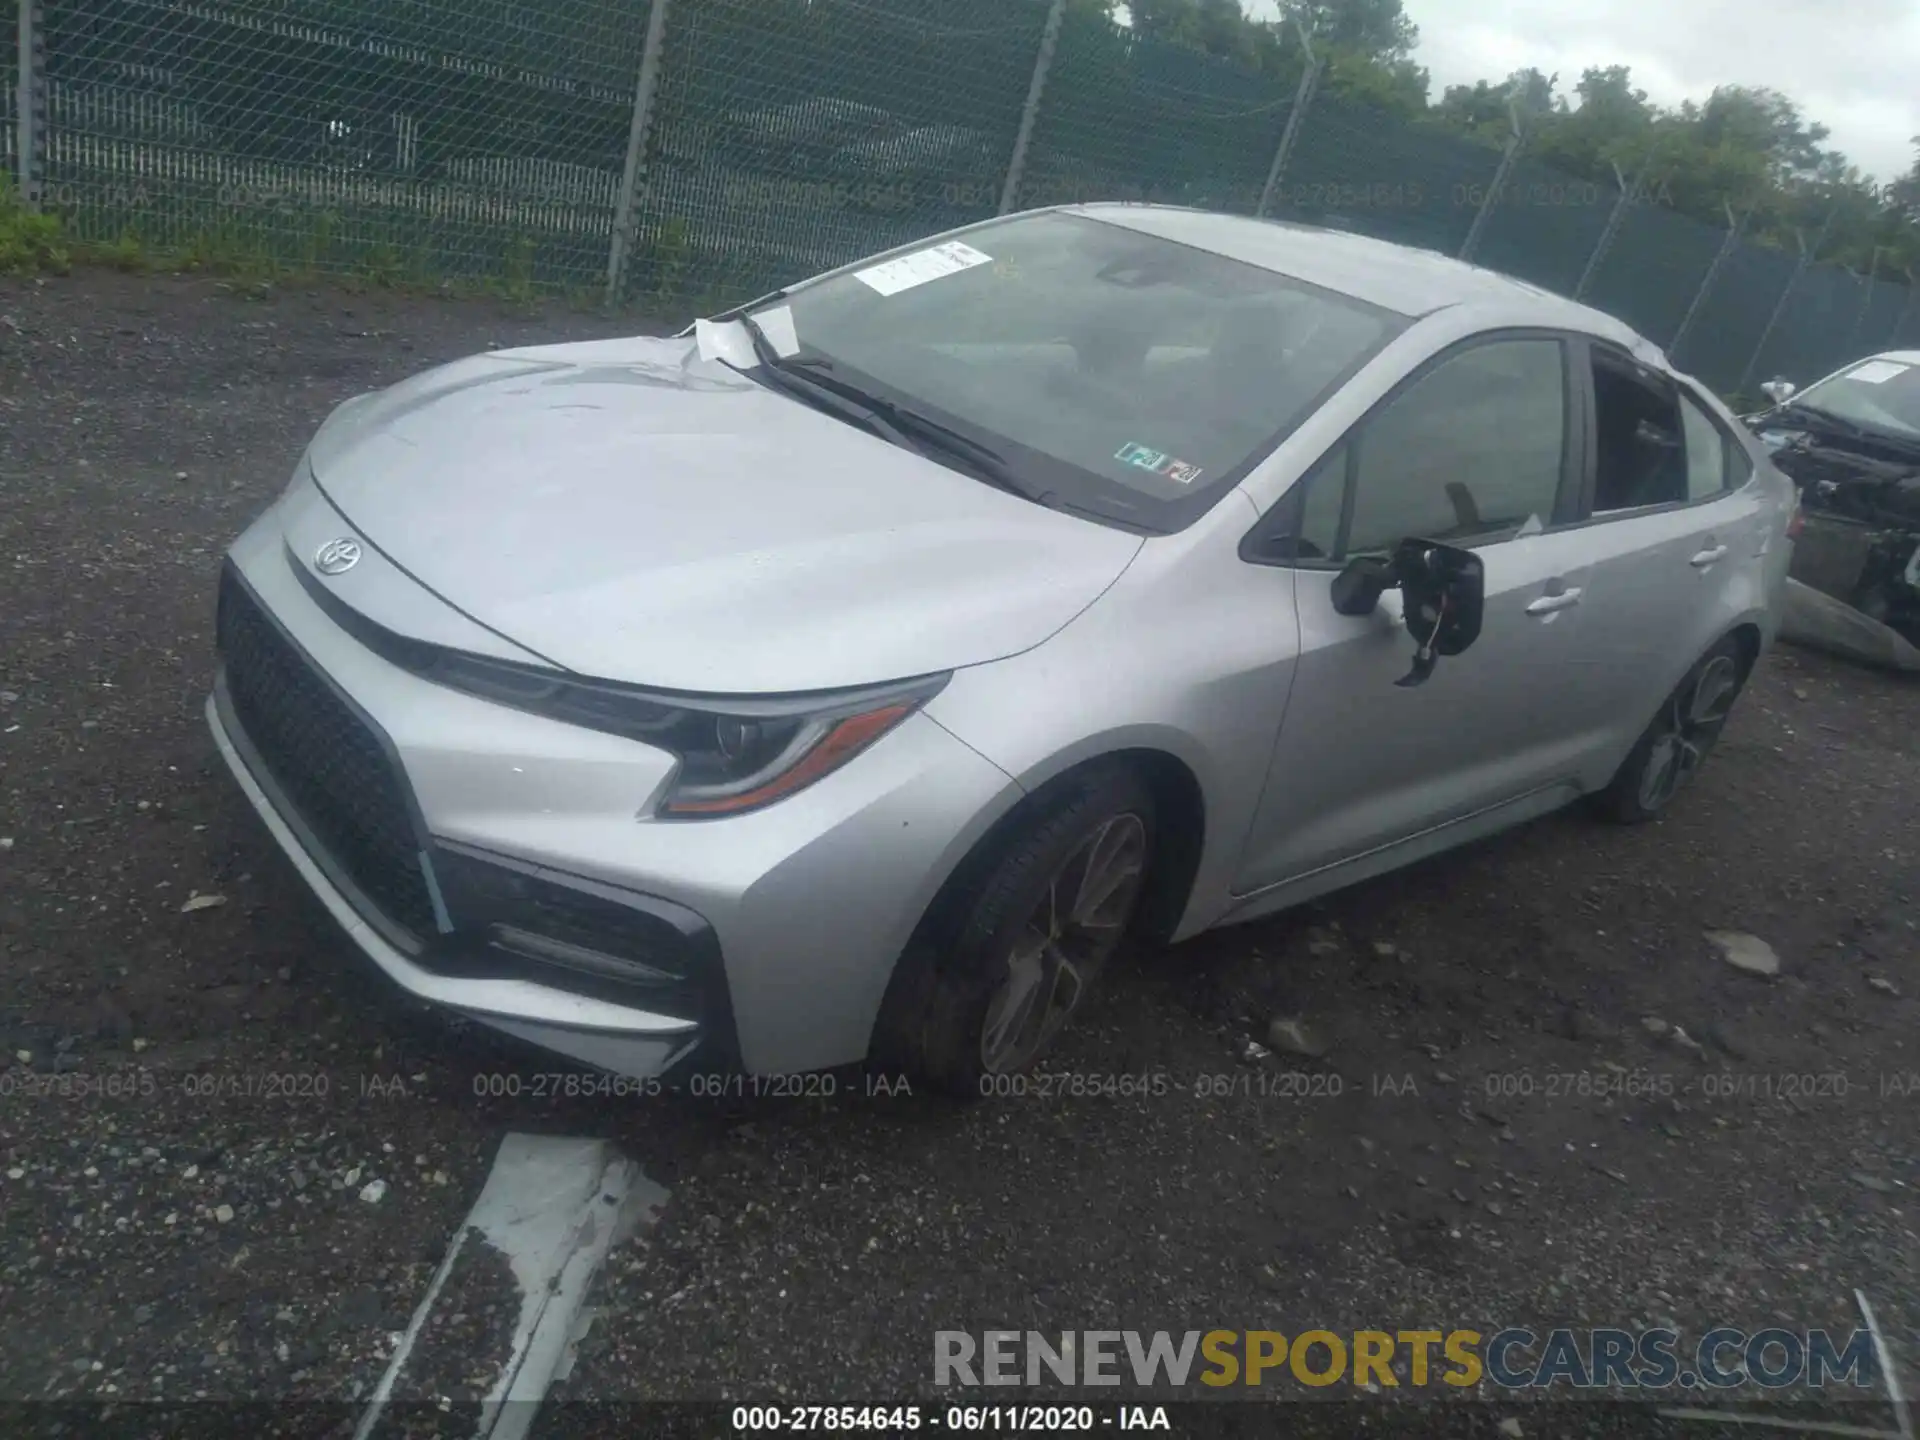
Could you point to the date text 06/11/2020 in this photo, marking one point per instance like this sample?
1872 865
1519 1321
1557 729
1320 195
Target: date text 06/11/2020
1004 1419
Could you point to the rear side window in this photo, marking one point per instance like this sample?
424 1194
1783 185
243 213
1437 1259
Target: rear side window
1707 457
1640 439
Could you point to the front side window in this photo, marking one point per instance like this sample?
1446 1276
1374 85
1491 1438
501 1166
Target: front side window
1323 497
1474 447
1132 377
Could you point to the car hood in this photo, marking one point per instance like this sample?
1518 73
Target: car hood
630 510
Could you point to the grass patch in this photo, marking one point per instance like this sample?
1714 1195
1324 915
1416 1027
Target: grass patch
30 243
255 263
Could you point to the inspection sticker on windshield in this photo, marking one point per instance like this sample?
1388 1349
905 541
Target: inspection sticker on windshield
1877 372
1141 458
890 277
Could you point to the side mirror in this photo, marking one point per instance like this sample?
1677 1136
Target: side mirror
1357 589
1446 593
1779 391
1444 588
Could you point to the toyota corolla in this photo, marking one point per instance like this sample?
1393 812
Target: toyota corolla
848 676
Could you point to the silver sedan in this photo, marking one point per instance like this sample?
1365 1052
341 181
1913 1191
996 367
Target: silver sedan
847 677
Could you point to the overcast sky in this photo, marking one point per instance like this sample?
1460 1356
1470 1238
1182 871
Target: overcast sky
1852 65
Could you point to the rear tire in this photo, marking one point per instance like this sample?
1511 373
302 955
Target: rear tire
1000 970
1673 747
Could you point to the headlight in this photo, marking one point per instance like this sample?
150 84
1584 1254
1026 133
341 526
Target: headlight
736 753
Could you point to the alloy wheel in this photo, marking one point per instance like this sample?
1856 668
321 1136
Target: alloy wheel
1070 935
1689 724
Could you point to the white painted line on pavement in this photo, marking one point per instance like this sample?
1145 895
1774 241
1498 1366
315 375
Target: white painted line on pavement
619 1198
1888 1369
553 1206
371 1416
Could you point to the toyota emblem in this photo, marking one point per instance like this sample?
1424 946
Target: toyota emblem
336 557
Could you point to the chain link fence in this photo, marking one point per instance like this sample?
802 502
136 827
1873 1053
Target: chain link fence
788 137
682 154
386 136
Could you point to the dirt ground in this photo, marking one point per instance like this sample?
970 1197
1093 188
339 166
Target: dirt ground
195 1102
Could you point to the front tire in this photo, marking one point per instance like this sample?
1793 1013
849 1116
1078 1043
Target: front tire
996 977
1671 750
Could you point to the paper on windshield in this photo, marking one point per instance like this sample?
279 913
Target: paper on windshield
777 325
724 342
1877 372
728 340
904 272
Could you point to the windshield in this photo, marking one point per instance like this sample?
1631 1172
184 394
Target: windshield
1122 375
1884 394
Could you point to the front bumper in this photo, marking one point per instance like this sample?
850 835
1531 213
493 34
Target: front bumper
620 1038
778 930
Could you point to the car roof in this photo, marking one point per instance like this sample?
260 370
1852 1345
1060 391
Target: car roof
1898 357
1401 278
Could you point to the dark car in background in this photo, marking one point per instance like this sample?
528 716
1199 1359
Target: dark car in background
800 137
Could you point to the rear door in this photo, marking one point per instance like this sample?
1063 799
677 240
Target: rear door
1671 523
1481 447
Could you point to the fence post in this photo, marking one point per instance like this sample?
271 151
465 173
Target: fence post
26 97
1780 305
1495 186
1302 97
620 245
1734 227
1866 303
1906 307
1616 217
1030 112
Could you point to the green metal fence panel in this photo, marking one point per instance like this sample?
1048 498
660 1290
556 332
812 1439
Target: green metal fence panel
1125 118
1653 269
452 138
1545 226
1880 317
1906 330
1827 342
1358 170
1734 315
437 139
1811 338
794 135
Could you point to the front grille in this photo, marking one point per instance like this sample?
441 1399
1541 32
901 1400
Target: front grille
329 766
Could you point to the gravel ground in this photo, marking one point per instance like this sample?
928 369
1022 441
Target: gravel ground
230 1160
462 1349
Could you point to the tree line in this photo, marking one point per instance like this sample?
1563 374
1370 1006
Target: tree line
1747 150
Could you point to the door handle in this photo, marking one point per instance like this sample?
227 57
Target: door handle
1707 557
1562 600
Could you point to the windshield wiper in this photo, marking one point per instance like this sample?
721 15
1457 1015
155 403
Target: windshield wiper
819 384
781 373
985 461
1850 429
1814 415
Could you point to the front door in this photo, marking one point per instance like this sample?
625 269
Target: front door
1480 449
